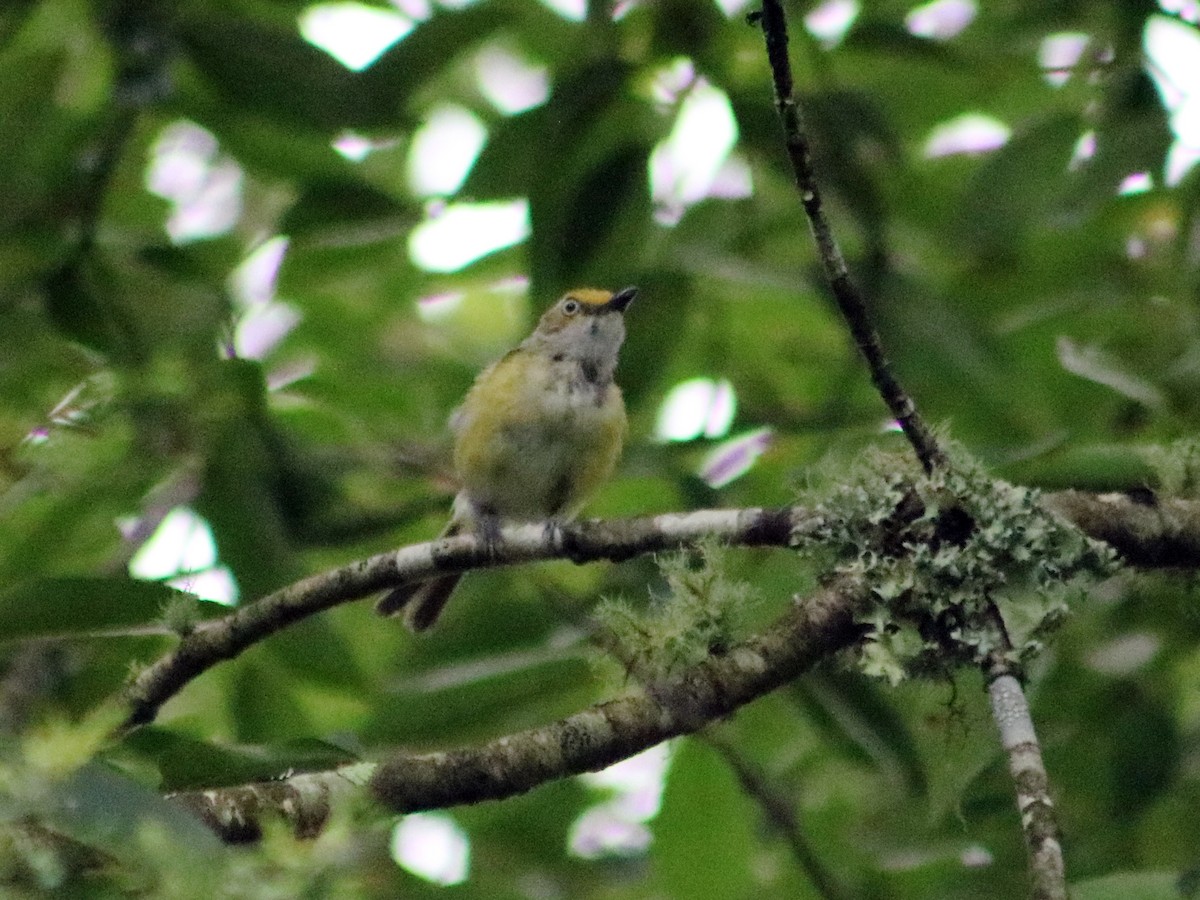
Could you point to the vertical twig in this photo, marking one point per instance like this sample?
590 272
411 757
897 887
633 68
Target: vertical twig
848 298
1039 821
1009 707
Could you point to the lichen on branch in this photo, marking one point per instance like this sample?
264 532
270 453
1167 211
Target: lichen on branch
701 614
961 565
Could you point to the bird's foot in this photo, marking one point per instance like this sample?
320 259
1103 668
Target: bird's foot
487 527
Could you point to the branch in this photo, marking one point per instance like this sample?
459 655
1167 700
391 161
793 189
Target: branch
611 731
588 741
1039 820
781 814
1165 534
618 539
848 298
303 801
1145 529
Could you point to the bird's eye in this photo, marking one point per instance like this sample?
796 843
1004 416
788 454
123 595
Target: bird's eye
570 307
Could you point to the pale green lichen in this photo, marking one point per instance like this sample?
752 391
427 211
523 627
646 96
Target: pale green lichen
944 553
181 614
1177 466
698 617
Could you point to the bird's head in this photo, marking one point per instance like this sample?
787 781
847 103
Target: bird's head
587 325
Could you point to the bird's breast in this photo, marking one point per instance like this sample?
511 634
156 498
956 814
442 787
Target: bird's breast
537 434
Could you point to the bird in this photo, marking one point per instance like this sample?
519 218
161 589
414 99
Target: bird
539 430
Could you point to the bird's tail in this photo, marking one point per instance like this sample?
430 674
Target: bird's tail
421 603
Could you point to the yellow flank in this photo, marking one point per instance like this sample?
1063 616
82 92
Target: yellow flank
533 439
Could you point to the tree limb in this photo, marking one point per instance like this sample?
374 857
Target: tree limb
210 643
1164 534
1039 820
813 628
1147 530
304 801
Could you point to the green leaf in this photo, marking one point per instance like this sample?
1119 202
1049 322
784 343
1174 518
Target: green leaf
893 39
343 211
64 607
1022 184
245 482
479 698
704 837
275 71
263 704
270 68
1128 886
856 716
100 806
188 763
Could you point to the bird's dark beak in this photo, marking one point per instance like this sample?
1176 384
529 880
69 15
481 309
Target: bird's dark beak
622 299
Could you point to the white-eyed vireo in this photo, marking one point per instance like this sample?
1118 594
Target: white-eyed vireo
539 430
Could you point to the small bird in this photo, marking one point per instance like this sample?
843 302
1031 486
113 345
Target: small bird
539 430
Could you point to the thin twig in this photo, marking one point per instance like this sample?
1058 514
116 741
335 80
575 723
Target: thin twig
848 298
1039 819
781 813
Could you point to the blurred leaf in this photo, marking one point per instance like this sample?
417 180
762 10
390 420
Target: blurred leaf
316 653
186 763
442 708
12 16
271 68
1020 185
241 496
704 835
34 136
852 138
877 35
953 731
60 607
855 717
1133 133
274 70
342 210
1145 752
591 190
1094 365
263 705
1128 886
100 806
684 29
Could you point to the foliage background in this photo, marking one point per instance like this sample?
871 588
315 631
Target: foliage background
1050 321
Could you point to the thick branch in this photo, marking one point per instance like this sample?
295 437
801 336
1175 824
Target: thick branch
1145 529
848 298
812 628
